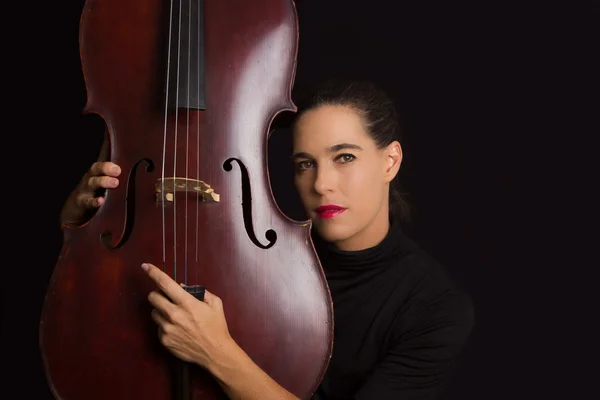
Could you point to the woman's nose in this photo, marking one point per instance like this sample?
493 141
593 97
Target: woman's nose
325 180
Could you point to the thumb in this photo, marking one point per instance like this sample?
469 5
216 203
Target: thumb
212 300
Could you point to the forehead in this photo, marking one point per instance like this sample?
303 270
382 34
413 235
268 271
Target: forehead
329 125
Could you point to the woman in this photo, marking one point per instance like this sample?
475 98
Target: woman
401 322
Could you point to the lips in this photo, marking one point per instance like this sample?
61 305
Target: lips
329 210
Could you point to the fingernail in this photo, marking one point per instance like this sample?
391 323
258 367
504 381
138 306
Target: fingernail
115 170
145 266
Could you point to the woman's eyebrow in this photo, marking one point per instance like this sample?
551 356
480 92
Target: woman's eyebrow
332 149
344 146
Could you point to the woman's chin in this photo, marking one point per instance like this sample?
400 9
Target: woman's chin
331 232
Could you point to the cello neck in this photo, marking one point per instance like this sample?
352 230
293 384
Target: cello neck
186 67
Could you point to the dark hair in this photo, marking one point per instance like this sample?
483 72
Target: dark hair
380 116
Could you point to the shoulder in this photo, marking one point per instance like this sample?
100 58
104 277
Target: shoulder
434 296
429 277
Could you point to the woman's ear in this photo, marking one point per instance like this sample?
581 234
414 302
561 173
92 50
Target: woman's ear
393 159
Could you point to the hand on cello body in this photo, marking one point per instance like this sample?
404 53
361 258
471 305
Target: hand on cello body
85 200
196 331
193 330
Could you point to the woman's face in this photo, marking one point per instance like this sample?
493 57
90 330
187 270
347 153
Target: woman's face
342 177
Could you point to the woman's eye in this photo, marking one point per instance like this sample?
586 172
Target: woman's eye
302 165
346 158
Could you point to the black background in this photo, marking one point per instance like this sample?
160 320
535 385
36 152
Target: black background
501 105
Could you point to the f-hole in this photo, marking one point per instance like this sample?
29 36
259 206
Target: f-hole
106 236
270 235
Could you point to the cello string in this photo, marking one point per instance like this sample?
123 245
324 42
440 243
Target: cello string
187 152
175 148
200 11
162 180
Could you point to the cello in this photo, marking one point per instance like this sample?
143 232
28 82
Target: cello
188 90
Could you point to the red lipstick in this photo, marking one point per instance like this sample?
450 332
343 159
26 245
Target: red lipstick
329 210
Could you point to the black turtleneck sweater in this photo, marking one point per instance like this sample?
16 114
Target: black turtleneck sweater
400 322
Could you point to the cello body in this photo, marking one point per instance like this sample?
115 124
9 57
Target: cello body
188 108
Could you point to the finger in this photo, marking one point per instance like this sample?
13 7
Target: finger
105 168
169 287
161 334
87 200
158 317
161 303
102 182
